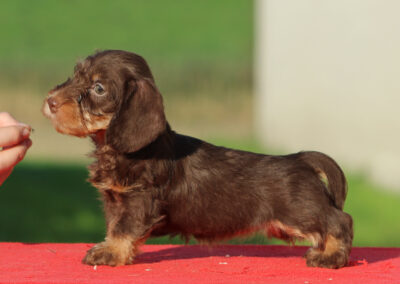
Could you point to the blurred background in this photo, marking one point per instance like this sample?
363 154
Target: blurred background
223 67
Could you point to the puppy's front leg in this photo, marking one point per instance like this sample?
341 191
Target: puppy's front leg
126 229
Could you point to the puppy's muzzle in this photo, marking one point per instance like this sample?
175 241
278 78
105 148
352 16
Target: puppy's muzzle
53 103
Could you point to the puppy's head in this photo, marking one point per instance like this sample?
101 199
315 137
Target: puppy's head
111 91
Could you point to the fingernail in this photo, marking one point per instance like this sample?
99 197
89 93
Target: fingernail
26 132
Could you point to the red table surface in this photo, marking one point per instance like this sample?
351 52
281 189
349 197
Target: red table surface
61 263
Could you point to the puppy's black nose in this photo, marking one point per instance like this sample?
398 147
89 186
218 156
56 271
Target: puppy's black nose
53 104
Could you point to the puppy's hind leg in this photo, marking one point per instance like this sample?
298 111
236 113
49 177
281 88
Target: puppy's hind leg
335 248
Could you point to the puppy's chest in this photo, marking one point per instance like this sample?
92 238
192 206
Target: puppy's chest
110 171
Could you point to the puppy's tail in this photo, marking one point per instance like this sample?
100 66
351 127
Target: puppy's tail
330 172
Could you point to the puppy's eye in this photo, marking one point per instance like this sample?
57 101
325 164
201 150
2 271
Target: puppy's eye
99 89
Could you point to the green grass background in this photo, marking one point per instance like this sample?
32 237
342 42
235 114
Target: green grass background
195 49
185 42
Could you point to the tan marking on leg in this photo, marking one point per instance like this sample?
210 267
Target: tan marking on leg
113 252
333 255
122 247
279 230
332 245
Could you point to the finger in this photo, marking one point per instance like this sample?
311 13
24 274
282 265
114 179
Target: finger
12 156
13 135
5 175
7 119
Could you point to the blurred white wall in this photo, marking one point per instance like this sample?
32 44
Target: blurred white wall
327 78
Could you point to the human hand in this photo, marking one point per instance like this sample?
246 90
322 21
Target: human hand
14 142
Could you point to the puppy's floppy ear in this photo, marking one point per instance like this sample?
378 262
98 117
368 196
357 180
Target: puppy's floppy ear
140 119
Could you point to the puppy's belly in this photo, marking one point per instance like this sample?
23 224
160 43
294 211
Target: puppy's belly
208 234
210 224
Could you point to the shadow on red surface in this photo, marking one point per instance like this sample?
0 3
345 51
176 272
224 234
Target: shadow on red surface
186 252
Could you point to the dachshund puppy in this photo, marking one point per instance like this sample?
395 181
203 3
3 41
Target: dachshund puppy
156 182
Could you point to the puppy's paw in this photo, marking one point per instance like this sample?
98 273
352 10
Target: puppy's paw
317 258
107 254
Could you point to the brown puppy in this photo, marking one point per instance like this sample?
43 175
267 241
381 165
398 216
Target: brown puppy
154 181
